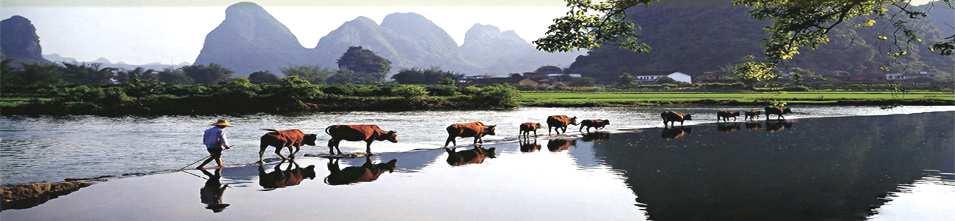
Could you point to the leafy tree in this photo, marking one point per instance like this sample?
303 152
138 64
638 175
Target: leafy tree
626 80
363 61
349 77
263 77
795 24
173 76
85 73
426 76
409 91
207 74
136 74
37 75
750 71
313 74
549 69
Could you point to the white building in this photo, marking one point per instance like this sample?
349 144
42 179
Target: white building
676 76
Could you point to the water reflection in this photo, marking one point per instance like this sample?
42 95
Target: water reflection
560 144
291 176
211 193
753 125
777 125
597 137
367 172
727 127
675 132
472 156
820 171
529 146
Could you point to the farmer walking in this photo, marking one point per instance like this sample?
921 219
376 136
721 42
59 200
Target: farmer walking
215 140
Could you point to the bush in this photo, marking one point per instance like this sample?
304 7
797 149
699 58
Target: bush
409 91
442 90
500 95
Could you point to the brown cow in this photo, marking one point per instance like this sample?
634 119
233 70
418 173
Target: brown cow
557 145
672 117
527 127
279 178
368 133
472 156
367 172
472 129
675 132
530 147
560 122
726 115
595 123
778 111
285 138
752 114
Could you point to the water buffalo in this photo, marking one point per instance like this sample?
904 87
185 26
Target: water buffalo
778 111
527 146
367 133
726 115
672 117
472 129
472 156
559 123
752 114
291 176
557 145
675 132
595 123
528 127
285 138
367 172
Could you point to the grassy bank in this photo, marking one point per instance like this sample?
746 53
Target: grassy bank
584 99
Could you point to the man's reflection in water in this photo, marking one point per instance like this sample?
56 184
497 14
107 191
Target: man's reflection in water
211 193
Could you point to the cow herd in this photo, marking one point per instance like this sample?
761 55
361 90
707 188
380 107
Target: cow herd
293 139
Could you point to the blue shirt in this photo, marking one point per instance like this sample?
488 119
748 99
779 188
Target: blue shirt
214 137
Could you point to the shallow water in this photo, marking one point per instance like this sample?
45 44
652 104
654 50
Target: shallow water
897 167
54 148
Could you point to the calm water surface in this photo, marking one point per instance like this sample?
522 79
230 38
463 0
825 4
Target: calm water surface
54 148
897 167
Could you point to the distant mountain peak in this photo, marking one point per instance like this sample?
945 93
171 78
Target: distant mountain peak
19 41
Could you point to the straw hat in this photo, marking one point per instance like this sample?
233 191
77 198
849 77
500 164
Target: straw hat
222 122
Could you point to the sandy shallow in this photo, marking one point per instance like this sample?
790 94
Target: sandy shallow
896 167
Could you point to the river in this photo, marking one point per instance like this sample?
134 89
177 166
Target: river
53 148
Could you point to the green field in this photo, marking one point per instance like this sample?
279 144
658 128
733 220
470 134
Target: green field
572 98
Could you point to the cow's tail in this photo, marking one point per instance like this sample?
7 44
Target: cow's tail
273 130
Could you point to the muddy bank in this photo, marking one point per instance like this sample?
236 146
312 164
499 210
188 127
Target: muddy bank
22 196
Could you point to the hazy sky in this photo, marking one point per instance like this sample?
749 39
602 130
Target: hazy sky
173 31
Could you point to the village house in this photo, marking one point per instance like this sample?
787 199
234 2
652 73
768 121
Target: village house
676 76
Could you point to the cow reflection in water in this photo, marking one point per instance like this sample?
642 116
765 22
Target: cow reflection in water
557 145
529 146
596 137
675 132
472 156
752 125
728 127
776 126
211 193
367 172
291 176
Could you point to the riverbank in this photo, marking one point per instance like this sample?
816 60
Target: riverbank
792 172
610 99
